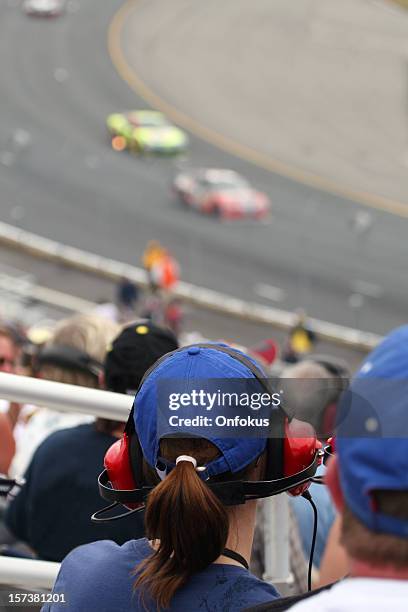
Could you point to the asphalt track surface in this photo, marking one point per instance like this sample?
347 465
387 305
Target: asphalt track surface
316 92
58 83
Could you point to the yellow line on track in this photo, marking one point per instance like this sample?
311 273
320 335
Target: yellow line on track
225 143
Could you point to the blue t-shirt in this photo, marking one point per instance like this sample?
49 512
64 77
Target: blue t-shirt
98 577
52 512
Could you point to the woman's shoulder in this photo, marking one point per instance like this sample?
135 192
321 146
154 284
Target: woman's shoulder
88 572
94 562
107 551
247 586
249 591
227 587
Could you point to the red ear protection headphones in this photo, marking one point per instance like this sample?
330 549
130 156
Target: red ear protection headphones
293 454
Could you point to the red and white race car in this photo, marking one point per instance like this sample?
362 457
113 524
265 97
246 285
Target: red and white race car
223 193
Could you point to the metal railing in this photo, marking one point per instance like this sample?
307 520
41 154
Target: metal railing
28 573
65 398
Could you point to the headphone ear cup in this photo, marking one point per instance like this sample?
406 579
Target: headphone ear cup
118 465
299 450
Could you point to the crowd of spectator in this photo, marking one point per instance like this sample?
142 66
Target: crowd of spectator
199 548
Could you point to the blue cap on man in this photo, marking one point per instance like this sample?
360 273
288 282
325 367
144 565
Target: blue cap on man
372 433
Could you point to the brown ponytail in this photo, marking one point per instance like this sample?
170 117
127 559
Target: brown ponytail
191 526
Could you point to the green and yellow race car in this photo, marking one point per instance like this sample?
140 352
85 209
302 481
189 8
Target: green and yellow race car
145 131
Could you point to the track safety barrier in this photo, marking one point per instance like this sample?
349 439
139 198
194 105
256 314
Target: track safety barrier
209 299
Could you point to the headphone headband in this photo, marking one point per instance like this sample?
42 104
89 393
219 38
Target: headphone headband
232 492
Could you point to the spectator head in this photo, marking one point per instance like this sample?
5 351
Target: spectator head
129 356
368 477
132 353
189 522
9 350
311 389
76 351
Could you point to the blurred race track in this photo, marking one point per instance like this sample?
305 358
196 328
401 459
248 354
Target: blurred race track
57 82
210 325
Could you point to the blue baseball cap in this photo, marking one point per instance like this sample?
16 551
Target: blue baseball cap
372 433
191 364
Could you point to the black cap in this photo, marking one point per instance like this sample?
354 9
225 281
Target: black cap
132 353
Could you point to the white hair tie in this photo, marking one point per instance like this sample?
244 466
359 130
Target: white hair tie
186 458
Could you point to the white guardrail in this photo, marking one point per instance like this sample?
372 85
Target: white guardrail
65 398
71 398
205 298
29 573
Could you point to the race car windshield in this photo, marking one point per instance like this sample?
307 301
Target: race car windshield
151 123
43 4
228 186
147 121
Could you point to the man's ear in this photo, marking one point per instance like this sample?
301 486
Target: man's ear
101 380
332 479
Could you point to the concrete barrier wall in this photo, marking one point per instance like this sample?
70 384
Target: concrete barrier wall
104 267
